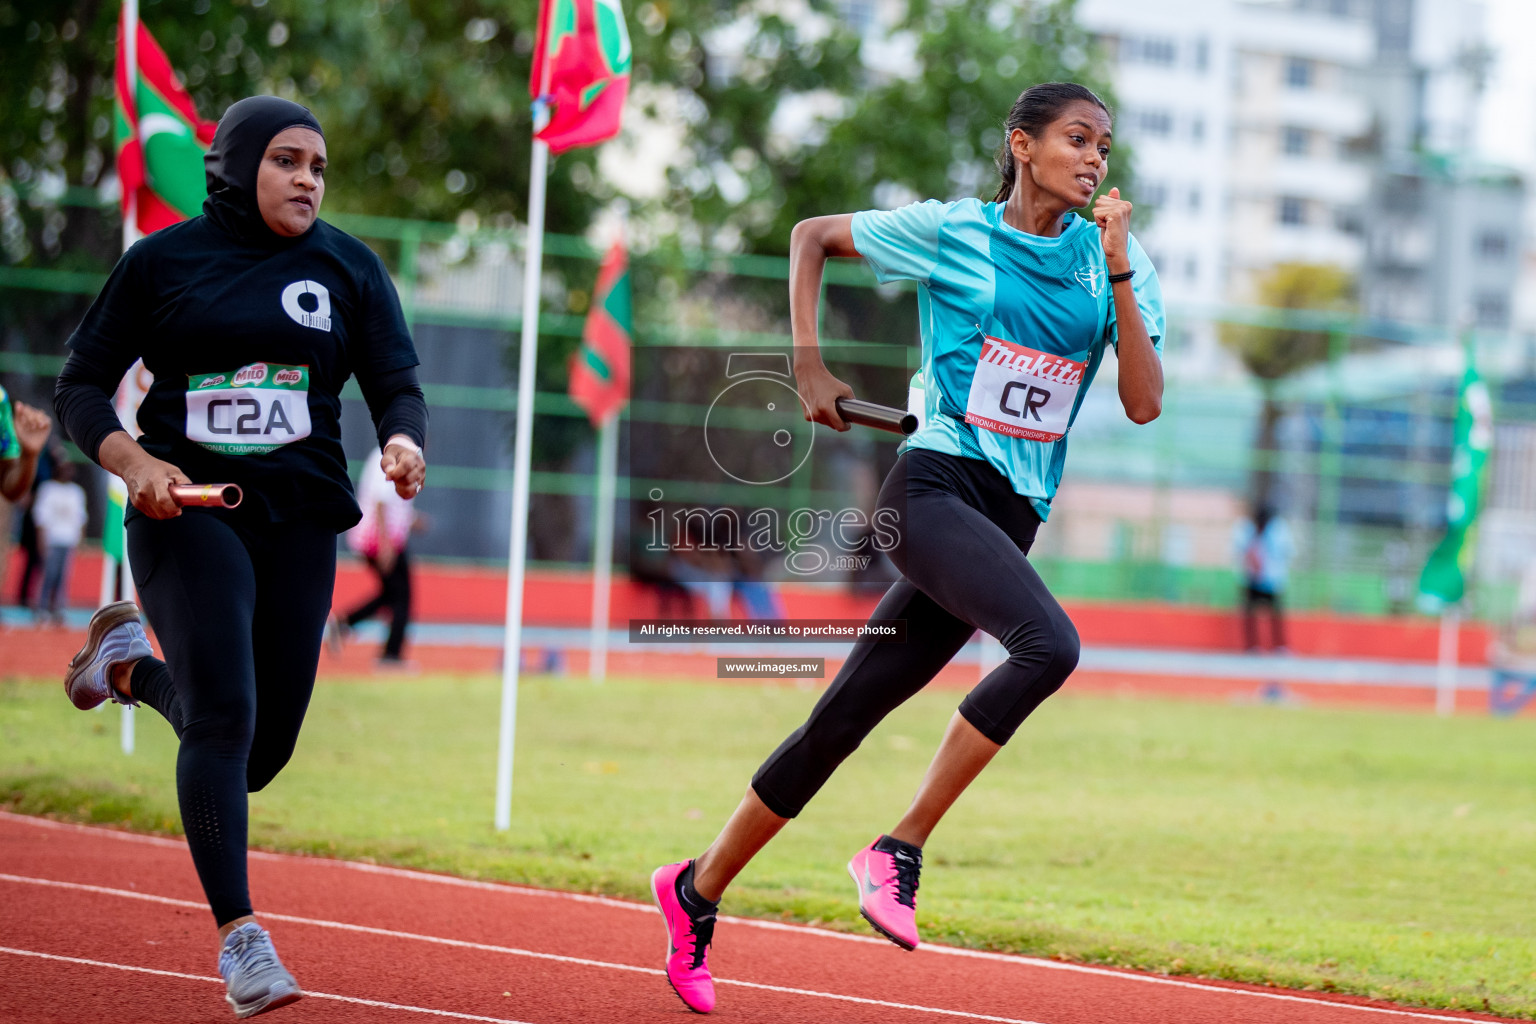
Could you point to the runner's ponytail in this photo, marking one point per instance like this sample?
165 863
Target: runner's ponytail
1033 111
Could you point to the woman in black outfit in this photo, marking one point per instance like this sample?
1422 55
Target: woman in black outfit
251 318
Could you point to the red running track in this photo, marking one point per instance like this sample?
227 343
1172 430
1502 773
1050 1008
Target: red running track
105 926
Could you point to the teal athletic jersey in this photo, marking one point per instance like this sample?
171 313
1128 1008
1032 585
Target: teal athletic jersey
10 444
1014 326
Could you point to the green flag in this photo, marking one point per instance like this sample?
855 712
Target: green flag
1443 580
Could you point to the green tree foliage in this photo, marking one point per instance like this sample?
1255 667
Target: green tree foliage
427 113
927 127
425 105
1270 353
1274 353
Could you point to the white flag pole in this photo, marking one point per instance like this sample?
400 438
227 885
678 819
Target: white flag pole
1445 677
602 546
130 29
521 468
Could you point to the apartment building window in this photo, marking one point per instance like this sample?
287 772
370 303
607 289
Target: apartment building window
1154 193
1202 55
1154 123
1194 199
1493 246
1492 310
1295 141
1298 73
1350 222
1192 268
1293 211
1197 128
1155 50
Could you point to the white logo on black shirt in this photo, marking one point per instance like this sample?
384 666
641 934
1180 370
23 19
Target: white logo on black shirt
320 316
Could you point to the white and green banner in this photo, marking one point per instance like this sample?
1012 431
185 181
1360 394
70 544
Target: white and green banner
1443 581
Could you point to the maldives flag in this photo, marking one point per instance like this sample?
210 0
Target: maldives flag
581 66
160 140
600 367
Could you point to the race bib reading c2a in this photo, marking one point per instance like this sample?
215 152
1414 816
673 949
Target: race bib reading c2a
1022 393
257 408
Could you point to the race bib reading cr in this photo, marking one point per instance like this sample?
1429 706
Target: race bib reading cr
255 409
1023 393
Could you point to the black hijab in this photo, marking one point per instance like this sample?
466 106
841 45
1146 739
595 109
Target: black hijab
234 158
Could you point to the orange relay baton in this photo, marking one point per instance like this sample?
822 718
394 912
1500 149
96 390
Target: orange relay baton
207 495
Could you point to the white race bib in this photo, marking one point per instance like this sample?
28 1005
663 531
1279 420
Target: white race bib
1019 392
249 411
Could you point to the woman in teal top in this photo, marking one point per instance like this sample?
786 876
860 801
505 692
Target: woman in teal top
1018 300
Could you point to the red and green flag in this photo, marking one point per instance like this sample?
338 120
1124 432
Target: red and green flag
581 63
160 139
600 367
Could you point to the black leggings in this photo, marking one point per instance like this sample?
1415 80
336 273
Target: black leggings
965 534
239 609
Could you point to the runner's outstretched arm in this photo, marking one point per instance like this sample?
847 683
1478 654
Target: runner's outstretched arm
82 398
32 427
810 244
1141 372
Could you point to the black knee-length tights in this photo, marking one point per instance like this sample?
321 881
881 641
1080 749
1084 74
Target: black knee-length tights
964 536
239 609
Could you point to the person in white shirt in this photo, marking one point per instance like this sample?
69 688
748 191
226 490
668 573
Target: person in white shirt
58 512
381 539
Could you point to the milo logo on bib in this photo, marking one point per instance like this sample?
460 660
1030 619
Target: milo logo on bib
257 408
1022 393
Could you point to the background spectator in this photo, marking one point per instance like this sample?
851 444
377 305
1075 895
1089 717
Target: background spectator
58 513
381 538
1264 549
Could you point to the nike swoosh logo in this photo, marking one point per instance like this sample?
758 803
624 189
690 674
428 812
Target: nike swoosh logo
870 885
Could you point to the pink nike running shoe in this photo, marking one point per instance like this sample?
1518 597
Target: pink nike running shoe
687 941
887 881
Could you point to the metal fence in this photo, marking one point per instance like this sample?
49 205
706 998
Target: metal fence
1360 465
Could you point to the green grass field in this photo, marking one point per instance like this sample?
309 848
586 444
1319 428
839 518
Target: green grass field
1391 855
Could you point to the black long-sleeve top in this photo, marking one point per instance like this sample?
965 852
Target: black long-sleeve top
249 346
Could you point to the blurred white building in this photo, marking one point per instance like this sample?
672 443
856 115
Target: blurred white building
1319 131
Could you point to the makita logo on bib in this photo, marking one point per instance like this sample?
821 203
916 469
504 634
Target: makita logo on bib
287 377
213 381
253 374
997 352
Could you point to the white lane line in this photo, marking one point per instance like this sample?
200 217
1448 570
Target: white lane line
1012 959
165 842
509 950
219 981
